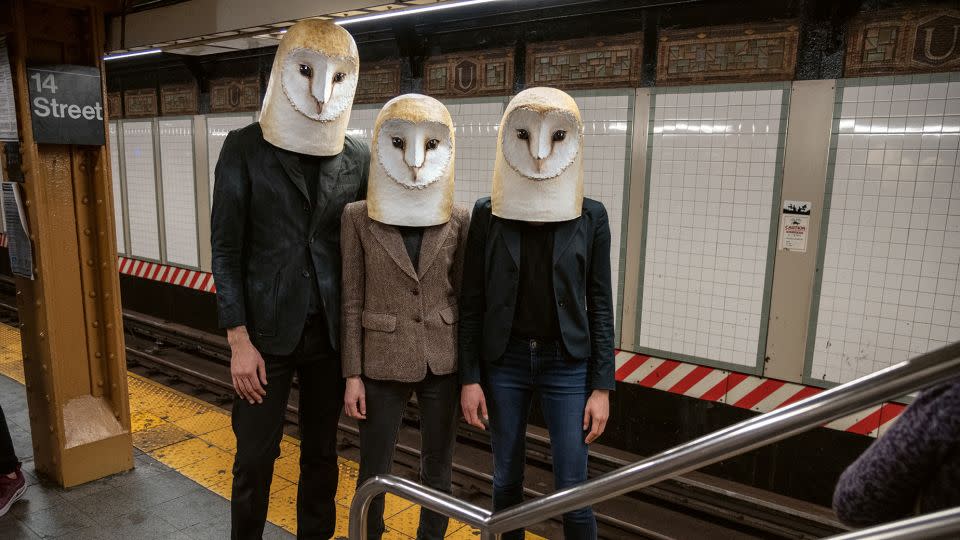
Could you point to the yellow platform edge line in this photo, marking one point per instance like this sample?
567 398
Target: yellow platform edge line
196 439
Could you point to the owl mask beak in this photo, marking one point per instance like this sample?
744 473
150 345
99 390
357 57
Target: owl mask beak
544 147
414 156
321 86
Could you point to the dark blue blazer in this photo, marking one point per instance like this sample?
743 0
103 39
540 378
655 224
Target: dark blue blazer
581 286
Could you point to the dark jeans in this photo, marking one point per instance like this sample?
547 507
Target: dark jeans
437 397
526 367
8 458
259 429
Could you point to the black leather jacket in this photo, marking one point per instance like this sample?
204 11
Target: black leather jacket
582 290
269 238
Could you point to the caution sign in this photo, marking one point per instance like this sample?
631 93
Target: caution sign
66 104
795 226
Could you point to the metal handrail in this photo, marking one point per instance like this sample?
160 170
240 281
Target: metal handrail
942 524
925 370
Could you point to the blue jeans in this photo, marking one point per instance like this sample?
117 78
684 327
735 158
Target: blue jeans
526 367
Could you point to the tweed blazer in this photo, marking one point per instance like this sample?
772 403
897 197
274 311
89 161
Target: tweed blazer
398 321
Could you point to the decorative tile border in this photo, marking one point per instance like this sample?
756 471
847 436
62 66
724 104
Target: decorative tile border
179 99
469 74
235 94
114 105
736 53
140 103
739 390
602 62
378 82
903 41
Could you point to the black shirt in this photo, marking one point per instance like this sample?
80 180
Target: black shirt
412 239
536 312
310 168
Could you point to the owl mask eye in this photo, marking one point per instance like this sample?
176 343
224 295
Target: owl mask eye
559 135
397 142
523 134
306 70
432 144
339 77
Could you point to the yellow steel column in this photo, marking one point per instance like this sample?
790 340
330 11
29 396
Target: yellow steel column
71 325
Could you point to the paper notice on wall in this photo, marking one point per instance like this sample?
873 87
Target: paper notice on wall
8 112
17 230
795 226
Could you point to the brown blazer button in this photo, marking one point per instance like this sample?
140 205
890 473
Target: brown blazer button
418 318
416 292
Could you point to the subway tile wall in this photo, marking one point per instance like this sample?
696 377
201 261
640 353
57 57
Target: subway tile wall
892 251
713 172
217 129
179 192
141 188
117 193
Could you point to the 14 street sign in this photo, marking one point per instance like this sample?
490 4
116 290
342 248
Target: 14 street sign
66 104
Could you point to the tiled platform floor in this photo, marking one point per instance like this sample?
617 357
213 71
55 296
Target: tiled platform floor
181 484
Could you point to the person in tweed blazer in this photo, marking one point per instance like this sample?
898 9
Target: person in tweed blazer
403 252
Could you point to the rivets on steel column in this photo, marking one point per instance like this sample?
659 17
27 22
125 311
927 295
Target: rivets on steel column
85 200
87 231
109 325
89 262
99 201
97 354
96 324
92 294
43 335
99 382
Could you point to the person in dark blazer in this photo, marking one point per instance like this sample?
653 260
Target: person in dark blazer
536 313
403 251
281 185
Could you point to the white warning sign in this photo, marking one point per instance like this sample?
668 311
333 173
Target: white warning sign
795 226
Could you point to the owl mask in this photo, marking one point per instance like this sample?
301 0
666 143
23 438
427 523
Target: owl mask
538 173
411 170
310 94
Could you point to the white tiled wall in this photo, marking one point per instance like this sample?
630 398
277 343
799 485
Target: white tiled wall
607 120
217 129
362 120
141 188
713 162
477 123
892 253
179 191
117 193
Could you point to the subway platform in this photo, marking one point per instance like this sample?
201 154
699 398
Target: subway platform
180 486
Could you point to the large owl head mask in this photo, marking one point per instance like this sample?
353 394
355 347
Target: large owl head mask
411 170
310 94
538 174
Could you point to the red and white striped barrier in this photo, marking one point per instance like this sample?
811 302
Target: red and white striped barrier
740 390
192 279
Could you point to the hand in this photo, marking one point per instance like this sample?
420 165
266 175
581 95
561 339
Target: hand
595 414
246 366
472 402
355 398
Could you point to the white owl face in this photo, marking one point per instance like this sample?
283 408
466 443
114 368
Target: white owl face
414 154
540 145
319 86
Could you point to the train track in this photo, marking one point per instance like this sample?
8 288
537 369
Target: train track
685 507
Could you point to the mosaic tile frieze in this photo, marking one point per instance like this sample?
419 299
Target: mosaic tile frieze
114 105
603 62
378 82
904 41
179 99
736 53
140 103
236 94
470 74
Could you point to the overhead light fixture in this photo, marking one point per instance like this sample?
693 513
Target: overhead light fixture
131 54
412 11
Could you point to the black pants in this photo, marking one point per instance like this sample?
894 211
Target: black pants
259 429
437 398
8 458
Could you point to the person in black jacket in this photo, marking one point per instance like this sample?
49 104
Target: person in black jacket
536 312
281 185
